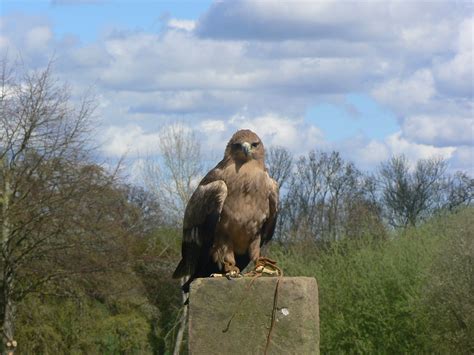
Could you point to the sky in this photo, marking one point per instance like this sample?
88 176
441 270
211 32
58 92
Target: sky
370 79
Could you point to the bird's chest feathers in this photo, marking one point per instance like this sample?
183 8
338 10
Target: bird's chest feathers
246 184
246 207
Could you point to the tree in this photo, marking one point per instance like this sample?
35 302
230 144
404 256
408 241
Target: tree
95 271
172 180
316 204
148 209
279 162
342 181
363 211
458 191
173 177
410 195
43 141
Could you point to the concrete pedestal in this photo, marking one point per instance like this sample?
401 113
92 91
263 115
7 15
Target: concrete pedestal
250 302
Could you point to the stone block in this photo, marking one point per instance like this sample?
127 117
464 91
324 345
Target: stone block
248 304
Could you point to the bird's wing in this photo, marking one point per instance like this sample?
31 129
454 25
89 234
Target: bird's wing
200 218
268 227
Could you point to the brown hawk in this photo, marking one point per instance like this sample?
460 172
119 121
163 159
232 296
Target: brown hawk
231 214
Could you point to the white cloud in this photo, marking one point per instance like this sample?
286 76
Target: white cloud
439 130
463 159
179 24
295 134
212 126
130 140
38 38
218 74
406 93
4 43
180 102
371 154
275 20
368 154
456 75
382 21
414 151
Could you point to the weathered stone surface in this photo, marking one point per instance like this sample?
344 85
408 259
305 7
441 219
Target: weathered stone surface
213 301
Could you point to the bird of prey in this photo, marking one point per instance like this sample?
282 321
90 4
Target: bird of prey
231 214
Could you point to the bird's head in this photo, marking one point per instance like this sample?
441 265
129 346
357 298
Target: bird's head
245 145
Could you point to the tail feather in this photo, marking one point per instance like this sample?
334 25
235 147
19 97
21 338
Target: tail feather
181 270
185 286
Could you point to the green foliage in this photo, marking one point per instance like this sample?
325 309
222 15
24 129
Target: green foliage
65 326
130 309
448 300
161 290
409 292
395 295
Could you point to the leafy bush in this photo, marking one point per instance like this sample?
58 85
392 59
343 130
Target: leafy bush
82 326
448 299
376 296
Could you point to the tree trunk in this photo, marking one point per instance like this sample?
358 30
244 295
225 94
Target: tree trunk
9 343
8 311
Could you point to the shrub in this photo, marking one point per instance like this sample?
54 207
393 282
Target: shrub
409 293
448 298
80 326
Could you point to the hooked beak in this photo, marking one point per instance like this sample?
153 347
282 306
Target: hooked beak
246 147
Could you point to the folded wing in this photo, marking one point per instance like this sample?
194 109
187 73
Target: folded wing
268 227
200 219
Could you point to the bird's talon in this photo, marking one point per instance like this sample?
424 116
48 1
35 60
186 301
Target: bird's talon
233 274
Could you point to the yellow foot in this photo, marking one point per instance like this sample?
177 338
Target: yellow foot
229 275
265 266
233 274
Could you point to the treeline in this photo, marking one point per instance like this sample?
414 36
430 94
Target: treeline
87 258
327 198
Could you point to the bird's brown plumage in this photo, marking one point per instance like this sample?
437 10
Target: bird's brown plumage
232 212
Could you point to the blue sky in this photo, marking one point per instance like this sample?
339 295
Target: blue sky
369 79
361 116
69 17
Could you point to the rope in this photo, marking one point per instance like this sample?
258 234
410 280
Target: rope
274 309
260 266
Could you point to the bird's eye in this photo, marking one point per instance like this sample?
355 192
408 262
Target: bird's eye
236 145
255 144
